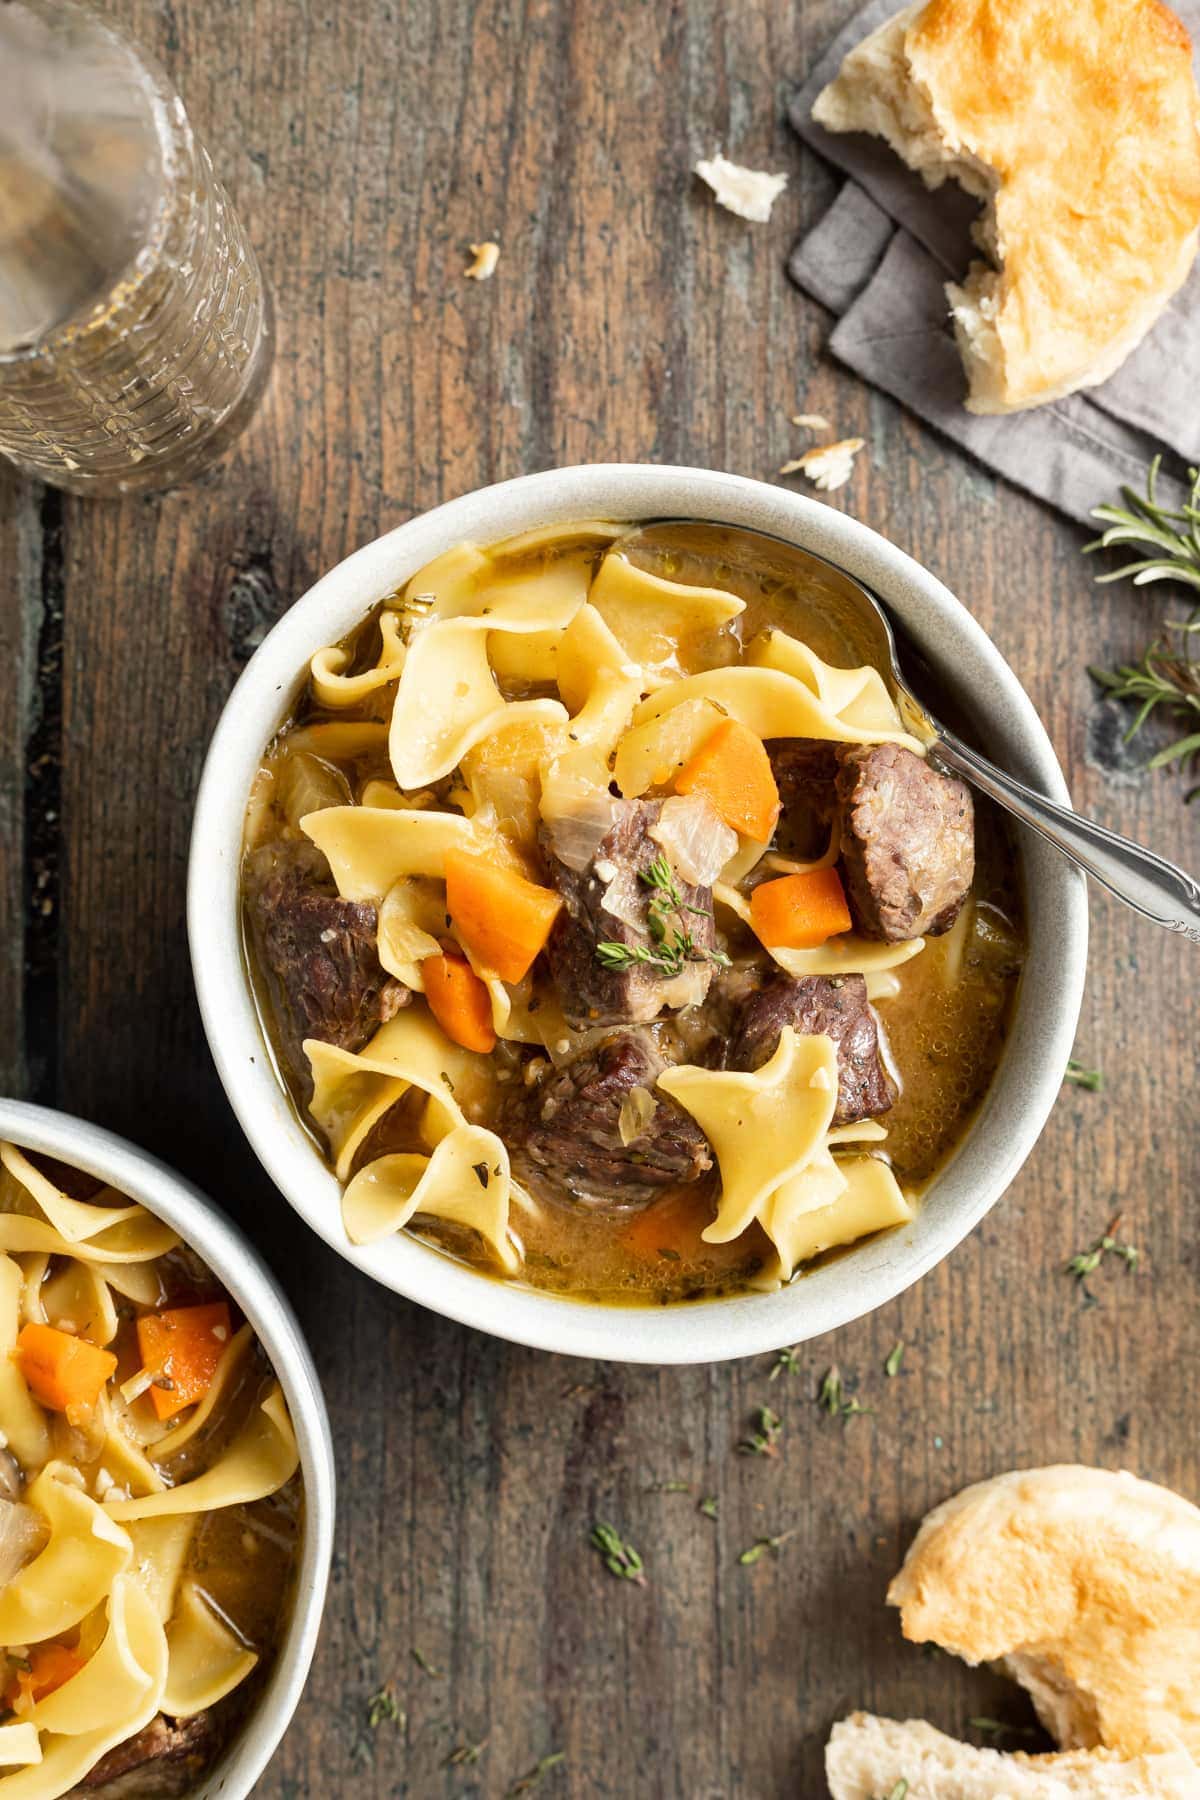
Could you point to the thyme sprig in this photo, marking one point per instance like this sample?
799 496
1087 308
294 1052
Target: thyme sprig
765 1440
672 943
1086 1262
833 1399
384 1708
786 1363
1172 535
620 1558
761 1545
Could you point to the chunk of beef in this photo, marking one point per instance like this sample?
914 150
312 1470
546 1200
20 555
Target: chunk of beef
566 1131
592 993
318 952
805 771
163 1761
908 842
834 1006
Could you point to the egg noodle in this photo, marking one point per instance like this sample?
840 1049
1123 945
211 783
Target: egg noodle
101 1626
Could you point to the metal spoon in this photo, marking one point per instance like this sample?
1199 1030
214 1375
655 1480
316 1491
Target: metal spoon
1146 882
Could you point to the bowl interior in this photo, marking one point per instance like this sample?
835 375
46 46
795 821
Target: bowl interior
1027 1081
143 1178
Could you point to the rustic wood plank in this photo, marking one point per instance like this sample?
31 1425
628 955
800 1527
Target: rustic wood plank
629 318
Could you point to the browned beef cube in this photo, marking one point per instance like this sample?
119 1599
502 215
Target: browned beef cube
163 1761
318 953
833 1006
566 1131
805 771
908 842
592 993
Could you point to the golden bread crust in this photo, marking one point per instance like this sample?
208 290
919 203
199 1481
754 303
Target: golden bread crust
1086 1583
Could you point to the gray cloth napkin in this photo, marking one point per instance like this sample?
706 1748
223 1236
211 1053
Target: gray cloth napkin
879 258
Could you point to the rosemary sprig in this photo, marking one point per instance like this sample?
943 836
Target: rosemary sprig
1079 1076
761 1545
1086 1262
671 942
1172 535
764 1441
833 1399
620 1558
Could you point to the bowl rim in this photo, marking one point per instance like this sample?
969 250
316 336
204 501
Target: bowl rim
202 1224
1022 1091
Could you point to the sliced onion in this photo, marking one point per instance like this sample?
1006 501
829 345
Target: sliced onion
624 897
23 1531
698 844
688 988
309 784
577 814
637 1109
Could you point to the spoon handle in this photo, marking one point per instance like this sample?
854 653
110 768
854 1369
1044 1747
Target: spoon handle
1151 885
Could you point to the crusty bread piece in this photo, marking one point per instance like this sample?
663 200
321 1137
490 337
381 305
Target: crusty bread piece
866 1757
1084 1586
1078 123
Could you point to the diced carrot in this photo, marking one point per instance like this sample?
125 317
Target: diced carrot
733 769
50 1666
459 1001
63 1372
798 912
670 1228
184 1344
503 919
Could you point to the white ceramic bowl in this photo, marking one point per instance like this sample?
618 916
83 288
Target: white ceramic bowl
239 1269
1025 1086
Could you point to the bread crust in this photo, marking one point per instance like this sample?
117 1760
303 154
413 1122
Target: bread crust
1084 1585
1083 119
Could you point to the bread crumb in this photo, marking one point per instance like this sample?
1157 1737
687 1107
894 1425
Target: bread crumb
750 193
484 258
827 466
811 421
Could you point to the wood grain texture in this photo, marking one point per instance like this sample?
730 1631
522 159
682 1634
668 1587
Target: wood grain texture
366 144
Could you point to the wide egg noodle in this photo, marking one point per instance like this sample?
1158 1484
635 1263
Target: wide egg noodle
75 1570
865 1198
411 917
111 1680
24 1422
858 697
74 1220
66 1759
764 1126
652 617
340 740
599 682
847 954
160 1553
205 1660
465 1182
76 1298
371 848
447 700
652 753
770 702
121 1457
19 1745
218 1388
588 534
333 688
261 1458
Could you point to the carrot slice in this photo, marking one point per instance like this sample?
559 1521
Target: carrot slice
503 919
733 769
670 1228
798 912
184 1344
50 1666
459 1001
62 1371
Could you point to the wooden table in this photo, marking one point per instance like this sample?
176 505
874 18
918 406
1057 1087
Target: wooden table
367 143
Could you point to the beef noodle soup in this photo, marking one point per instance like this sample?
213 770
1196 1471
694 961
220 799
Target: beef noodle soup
610 929
150 1504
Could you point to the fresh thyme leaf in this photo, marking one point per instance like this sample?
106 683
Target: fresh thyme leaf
891 1367
620 1558
708 1506
423 1662
994 1728
464 1755
764 1441
672 944
1086 1262
761 1545
384 1708
1172 536
786 1363
1091 1079
536 1775
833 1399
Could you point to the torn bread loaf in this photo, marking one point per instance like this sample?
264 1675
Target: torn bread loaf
1077 122
869 1758
1084 1586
